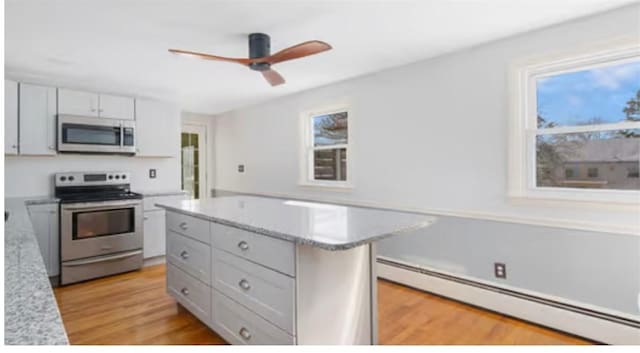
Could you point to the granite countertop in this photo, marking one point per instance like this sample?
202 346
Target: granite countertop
327 226
149 193
31 314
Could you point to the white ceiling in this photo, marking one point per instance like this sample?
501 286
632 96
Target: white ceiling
120 46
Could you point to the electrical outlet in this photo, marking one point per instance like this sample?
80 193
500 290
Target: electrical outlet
240 168
152 173
500 270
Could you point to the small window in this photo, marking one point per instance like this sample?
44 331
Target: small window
327 147
592 172
568 173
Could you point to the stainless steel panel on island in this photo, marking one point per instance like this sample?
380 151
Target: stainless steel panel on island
279 267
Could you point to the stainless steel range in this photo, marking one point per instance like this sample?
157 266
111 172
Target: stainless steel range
100 225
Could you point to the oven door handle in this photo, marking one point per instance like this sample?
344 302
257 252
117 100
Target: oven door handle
101 259
93 206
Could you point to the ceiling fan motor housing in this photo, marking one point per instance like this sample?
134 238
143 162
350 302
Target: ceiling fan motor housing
259 47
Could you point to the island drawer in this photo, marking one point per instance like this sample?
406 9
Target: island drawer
190 226
237 325
188 291
268 293
189 255
274 253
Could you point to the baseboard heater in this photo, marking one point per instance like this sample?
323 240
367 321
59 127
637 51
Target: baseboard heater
584 322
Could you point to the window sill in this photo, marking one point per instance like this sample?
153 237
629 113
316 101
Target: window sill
571 197
328 186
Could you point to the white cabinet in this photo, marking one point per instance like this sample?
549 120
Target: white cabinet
157 129
10 117
45 224
154 234
37 120
82 103
74 102
116 107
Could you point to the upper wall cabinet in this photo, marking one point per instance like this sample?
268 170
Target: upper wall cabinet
157 129
74 102
10 117
116 107
37 120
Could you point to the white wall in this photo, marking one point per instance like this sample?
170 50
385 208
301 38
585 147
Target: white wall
33 176
430 136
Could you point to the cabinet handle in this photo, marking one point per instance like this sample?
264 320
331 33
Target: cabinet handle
184 291
184 226
100 110
184 255
93 109
244 333
244 284
14 146
146 218
243 245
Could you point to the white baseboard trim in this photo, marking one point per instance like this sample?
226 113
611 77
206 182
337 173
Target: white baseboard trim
579 324
152 261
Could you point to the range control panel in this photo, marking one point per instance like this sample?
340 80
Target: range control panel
91 178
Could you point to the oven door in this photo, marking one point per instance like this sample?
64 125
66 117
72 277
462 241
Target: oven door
83 134
99 228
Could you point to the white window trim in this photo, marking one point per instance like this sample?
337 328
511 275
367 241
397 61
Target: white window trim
523 128
306 157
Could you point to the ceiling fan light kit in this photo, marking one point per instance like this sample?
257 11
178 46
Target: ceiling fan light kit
260 58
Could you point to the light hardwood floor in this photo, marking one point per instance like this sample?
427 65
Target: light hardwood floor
133 308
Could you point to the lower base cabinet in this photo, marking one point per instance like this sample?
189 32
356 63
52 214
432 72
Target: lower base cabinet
154 234
266 291
44 218
238 325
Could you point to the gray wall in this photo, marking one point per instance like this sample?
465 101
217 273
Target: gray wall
597 269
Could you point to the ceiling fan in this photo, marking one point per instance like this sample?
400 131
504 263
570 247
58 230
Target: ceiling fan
260 57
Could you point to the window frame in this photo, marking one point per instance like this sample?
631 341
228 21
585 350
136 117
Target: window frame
307 173
523 125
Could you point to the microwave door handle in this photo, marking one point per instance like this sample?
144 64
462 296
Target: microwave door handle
121 136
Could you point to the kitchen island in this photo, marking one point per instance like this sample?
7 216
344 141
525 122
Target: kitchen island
263 270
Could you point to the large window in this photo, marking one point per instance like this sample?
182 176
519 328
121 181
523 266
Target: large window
577 133
326 147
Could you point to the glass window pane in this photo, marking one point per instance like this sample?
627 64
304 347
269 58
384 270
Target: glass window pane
330 164
600 160
607 94
330 129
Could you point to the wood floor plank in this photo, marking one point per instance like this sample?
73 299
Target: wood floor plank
134 308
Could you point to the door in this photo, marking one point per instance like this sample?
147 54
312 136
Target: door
193 148
72 102
10 117
45 225
37 120
116 107
154 233
154 142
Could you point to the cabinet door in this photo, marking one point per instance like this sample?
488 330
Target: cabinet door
116 107
154 234
10 117
157 129
74 102
45 225
37 120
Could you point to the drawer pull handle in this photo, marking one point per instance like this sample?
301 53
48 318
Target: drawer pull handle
243 245
184 255
244 284
244 333
184 226
184 291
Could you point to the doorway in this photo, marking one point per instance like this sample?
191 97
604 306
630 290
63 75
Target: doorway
193 149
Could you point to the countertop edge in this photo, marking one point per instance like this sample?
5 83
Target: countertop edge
293 238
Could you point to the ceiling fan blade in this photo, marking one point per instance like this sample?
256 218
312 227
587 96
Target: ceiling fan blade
298 51
241 61
273 77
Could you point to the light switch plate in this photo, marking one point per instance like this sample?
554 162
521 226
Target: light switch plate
152 173
240 168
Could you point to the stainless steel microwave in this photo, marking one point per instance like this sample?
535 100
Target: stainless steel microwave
96 135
